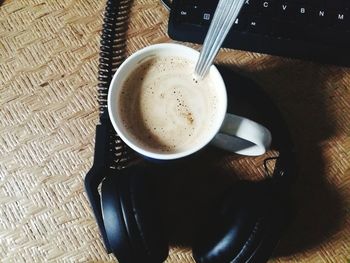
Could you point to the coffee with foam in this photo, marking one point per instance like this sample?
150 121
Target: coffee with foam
164 108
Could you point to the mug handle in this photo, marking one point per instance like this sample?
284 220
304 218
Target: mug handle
243 136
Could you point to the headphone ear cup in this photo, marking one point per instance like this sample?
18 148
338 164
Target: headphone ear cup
139 215
245 228
113 219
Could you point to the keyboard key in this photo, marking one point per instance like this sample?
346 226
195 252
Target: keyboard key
321 17
254 25
240 24
206 16
259 26
249 6
285 11
340 19
265 7
189 14
183 14
303 14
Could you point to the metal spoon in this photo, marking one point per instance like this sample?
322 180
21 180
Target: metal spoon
225 15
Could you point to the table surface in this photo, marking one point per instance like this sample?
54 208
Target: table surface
48 111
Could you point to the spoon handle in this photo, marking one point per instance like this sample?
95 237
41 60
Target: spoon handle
225 15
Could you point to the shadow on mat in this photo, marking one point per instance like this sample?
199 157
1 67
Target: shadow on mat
301 92
297 89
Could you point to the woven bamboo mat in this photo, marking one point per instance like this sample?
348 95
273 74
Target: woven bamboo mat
48 111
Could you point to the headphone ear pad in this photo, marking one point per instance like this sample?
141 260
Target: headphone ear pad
138 215
243 228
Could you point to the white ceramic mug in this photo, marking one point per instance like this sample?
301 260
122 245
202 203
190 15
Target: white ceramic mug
230 132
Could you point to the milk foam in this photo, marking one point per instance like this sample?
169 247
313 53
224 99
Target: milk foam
164 108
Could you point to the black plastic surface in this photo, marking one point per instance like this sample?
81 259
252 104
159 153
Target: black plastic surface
311 36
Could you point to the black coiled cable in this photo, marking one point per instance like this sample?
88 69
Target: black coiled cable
110 150
112 54
108 62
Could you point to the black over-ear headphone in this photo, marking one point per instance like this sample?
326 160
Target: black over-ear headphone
248 221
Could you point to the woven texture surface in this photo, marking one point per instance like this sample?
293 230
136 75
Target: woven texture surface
48 112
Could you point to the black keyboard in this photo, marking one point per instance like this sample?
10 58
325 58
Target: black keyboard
317 30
